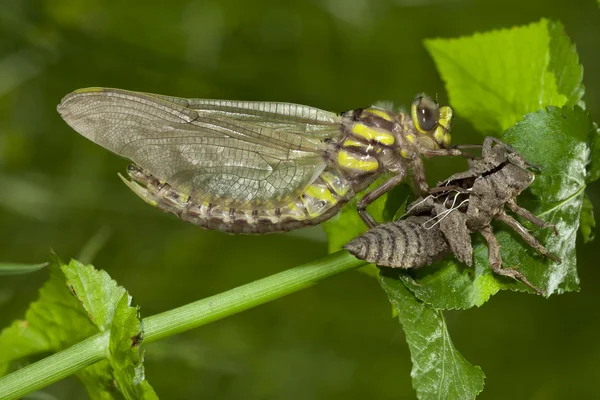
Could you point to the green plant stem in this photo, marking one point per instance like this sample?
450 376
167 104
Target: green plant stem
201 312
55 367
246 296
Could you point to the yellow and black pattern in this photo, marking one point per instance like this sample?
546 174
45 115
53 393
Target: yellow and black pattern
254 167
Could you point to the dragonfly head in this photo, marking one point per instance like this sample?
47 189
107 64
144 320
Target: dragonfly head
431 120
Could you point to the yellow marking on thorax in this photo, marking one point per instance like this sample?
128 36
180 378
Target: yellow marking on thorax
357 162
353 143
373 134
380 113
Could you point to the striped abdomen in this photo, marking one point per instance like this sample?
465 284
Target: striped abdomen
320 201
401 244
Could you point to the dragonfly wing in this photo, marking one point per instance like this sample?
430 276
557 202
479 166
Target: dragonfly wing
235 154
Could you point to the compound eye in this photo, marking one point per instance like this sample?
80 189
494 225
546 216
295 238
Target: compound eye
425 113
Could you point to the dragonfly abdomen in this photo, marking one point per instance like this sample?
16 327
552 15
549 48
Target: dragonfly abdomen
319 202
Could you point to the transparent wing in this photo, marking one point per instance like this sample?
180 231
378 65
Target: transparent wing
232 153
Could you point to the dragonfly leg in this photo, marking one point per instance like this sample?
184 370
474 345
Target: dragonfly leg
468 146
451 152
441 152
419 180
374 195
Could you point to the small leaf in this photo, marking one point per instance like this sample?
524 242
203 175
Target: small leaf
493 79
96 291
53 322
562 152
108 306
439 370
449 285
98 381
564 65
126 355
20 269
66 314
587 223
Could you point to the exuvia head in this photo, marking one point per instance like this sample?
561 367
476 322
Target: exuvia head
432 120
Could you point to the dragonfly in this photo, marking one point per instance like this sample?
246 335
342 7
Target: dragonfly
258 167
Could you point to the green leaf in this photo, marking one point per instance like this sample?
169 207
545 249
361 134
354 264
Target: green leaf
555 196
108 306
586 220
126 355
20 269
594 167
53 322
450 285
563 154
99 382
439 370
66 313
564 65
96 291
493 79
587 223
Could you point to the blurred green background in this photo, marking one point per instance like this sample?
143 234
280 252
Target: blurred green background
336 340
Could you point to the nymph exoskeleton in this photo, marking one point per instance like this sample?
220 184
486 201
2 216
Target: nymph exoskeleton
464 203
